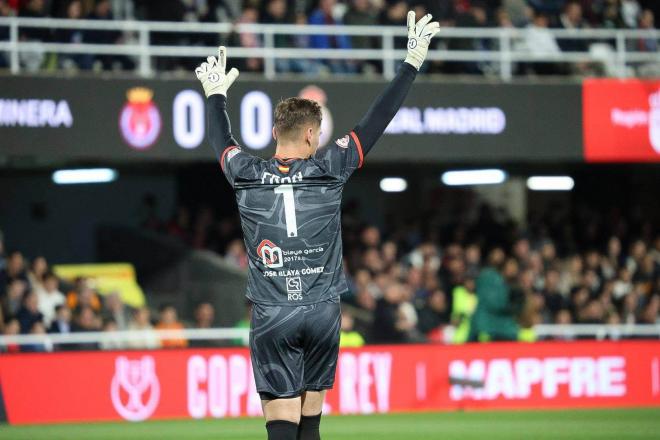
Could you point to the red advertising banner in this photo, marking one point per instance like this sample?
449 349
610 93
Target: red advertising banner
621 120
64 387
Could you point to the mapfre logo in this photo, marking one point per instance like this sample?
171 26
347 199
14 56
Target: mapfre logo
270 253
135 390
139 121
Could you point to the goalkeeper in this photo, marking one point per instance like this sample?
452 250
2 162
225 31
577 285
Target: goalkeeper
290 208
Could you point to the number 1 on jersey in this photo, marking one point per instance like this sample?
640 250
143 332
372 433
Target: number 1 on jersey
289 209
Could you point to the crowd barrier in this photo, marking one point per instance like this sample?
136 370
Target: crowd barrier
218 383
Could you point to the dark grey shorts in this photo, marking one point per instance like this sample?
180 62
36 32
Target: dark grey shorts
294 349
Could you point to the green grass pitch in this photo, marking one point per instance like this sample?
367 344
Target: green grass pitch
557 425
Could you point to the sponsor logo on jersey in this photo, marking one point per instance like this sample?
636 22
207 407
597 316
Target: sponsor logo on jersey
139 121
343 142
135 389
270 253
233 152
294 288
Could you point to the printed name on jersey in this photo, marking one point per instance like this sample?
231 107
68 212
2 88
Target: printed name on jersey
294 272
271 254
270 178
343 142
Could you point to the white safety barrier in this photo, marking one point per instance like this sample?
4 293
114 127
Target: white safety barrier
506 44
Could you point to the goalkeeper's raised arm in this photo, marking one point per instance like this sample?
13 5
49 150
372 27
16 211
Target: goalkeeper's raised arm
381 112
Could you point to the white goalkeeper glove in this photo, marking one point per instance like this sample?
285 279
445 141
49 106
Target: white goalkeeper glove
419 38
212 74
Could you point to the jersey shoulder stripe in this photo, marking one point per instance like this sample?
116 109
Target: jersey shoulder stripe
359 148
225 153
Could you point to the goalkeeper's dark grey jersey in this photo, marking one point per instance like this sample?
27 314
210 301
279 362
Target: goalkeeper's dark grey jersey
290 209
291 218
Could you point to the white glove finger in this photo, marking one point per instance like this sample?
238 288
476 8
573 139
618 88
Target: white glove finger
231 77
199 72
212 62
423 22
222 58
431 30
204 67
411 24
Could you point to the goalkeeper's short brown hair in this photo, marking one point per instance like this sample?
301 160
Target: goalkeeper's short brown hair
292 114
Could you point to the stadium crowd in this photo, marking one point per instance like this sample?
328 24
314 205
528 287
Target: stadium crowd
532 17
418 279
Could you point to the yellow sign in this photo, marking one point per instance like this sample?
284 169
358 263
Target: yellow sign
107 278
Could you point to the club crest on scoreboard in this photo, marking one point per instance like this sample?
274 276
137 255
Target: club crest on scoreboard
140 122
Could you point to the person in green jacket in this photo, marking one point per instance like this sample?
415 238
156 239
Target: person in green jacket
497 307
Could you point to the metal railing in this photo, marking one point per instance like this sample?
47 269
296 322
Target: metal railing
126 337
505 45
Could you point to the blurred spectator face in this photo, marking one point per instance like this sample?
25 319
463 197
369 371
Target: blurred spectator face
479 14
168 315
414 278
470 284
496 257
31 302
51 283
347 322
625 275
36 5
613 319
110 326
473 254
12 327
361 5
86 297
39 266
74 10
38 328
541 20
372 260
5 11
63 314
580 297
503 18
648 264
87 319
521 249
397 11
362 278
563 317
575 264
510 270
103 8
593 260
647 20
438 301
638 250
389 250
526 279
651 311
548 251
236 247
574 12
394 293
593 311
327 6
277 8
371 236
15 264
204 315
250 15
366 300
614 247
113 302
16 289
552 280
143 317
81 284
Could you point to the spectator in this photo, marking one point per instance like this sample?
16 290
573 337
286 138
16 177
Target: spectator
325 14
464 303
554 300
541 44
362 13
5 11
204 316
15 270
35 275
250 15
494 317
630 12
236 255
74 11
13 297
83 295
142 321
647 22
103 11
390 325
50 297
348 337
29 312
87 321
12 328
62 322
170 321
434 313
37 328
117 311
111 341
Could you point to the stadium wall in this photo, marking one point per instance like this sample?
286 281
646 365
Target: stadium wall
218 383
